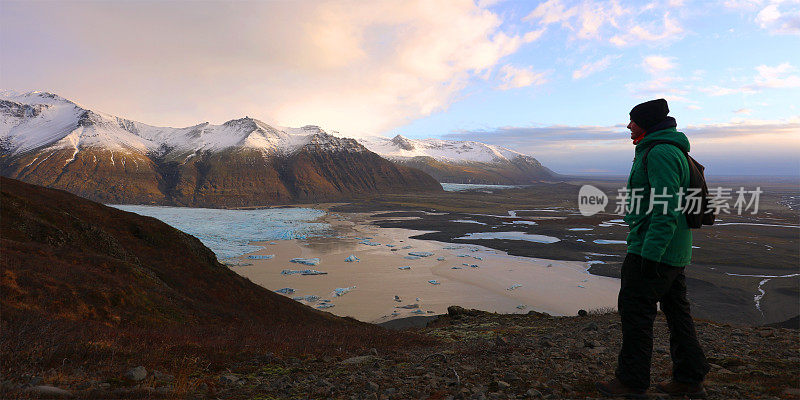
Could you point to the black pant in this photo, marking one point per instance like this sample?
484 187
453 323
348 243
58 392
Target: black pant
638 295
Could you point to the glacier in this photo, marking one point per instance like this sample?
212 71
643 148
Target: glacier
229 233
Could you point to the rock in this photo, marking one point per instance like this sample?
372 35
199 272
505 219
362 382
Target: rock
591 326
49 391
582 313
228 379
454 311
373 351
136 374
160 376
503 385
766 333
533 394
372 386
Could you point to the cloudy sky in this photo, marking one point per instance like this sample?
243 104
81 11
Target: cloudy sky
554 79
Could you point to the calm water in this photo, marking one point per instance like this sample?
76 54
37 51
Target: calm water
228 233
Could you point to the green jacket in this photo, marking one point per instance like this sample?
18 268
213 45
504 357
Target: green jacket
659 236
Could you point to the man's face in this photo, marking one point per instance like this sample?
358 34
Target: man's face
636 131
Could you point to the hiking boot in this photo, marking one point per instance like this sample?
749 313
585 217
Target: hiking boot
679 389
615 388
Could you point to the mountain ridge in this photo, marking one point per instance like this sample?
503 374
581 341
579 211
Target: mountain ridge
51 141
461 161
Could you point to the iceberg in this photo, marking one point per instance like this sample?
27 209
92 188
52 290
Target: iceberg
286 290
420 253
606 241
412 257
409 306
418 311
368 243
433 282
510 236
440 259
514 286
342 291
404 267
261 256
305 261
352 258
406 247
302 272
325 305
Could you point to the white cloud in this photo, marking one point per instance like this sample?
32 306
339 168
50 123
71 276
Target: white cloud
743 111
513 77
670 29
356 67
694 107
782 76
777 19
609 20
657 64
592 67
779 77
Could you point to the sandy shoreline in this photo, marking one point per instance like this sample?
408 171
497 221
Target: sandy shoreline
552 286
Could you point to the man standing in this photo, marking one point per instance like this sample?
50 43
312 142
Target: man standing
659 248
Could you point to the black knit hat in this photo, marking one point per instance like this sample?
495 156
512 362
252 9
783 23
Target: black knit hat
650 113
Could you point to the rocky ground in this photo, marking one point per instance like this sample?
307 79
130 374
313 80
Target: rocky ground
480 356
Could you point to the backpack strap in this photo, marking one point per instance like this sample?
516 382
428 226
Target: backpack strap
650 147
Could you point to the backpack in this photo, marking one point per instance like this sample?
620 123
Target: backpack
697 180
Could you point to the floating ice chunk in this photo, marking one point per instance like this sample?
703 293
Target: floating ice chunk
286 290
581 286
404 267
310 298
440 259
305 261
261 256
397 298
272 243
418 312
342 291
607 241
695 247
325 305
451 247
417 299
522 306
455 267
420 253
479 258
580 229
473 265
412 257
368 243
352 258
467 221
409 306
406 247
464 255
389 245
579 240
433 282
510 236
523 222
302 272
514 286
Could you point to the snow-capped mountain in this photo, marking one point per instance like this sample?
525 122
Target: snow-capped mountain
48 140
461 161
